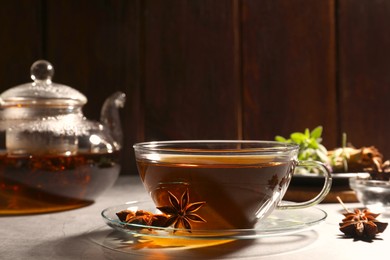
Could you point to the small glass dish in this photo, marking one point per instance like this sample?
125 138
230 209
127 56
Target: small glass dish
374 194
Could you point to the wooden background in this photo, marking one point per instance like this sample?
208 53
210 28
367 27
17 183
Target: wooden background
213 69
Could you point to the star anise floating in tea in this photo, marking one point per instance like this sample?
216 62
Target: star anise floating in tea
274 182
181 211
361 224
179 214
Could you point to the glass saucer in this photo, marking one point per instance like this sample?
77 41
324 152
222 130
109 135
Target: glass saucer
280 222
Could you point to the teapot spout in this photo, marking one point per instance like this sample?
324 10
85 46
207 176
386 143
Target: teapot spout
109 115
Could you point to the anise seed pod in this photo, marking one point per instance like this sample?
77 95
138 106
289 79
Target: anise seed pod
159 220
362 224
122 215
142 217
143 213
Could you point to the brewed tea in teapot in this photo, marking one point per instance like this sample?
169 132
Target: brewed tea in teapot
51 157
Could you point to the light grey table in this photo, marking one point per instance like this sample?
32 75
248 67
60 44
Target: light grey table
80 234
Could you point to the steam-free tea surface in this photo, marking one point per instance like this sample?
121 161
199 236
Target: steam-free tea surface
236 190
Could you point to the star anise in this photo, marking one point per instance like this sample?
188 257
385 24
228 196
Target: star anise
141 217
361 224
273 182
181 212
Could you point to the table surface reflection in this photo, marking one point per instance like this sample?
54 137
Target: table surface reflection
82 234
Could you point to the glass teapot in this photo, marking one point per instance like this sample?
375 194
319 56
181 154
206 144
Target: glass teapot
51 157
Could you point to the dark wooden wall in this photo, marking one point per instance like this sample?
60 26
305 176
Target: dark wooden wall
214 69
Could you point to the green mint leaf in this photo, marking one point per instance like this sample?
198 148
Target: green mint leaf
313 143
297 137
317 132
281 139
307 133
310 147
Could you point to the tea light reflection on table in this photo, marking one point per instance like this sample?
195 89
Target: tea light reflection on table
82 234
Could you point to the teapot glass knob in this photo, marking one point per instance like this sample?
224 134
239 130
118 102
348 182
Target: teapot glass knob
42 70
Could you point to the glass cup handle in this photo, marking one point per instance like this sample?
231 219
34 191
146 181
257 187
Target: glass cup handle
325 189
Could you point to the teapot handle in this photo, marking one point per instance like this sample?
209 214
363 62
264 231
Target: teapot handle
109 115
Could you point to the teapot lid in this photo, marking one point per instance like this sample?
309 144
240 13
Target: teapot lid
42 91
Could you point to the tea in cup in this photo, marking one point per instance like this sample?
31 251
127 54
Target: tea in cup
215 185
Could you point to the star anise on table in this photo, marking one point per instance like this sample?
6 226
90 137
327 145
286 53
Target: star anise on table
361 224
181 212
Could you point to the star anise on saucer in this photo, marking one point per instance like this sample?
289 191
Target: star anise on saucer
361 224
181 212
142 217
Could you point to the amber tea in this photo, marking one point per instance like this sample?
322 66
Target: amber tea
38 184
234 193
214 185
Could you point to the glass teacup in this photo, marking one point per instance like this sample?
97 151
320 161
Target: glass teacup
213 185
